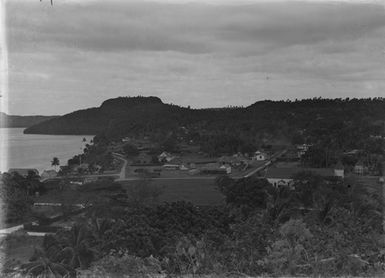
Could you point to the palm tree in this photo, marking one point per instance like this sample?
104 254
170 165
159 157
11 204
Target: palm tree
77 250
44 267
82 149
55 162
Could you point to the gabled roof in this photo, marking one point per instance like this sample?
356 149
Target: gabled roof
175 160
49 172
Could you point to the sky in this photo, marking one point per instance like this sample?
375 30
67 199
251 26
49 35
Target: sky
78 53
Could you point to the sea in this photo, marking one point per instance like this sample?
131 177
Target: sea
19 150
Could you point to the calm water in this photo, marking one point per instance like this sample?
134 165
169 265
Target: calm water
18 150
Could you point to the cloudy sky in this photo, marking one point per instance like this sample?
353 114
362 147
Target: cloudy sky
78 53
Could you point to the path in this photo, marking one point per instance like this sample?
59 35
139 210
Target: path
11 229
122 173
271 160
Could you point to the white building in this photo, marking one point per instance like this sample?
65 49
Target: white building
284 176
259 156
48 174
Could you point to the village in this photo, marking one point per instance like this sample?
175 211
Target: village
278 164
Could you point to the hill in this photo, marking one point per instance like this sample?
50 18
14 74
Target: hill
22 121
336 123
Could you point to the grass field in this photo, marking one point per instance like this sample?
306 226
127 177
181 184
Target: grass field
197 191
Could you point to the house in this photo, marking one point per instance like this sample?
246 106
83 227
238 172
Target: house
165 157
284 176
183 167
175 160
213 169
82 168
259 156
302 149
359 168
339 170
126 139
48 174
23 171
227 168
236 160
281 176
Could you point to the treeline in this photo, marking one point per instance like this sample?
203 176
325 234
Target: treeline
12 121
341 124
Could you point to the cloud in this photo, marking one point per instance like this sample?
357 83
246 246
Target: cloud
77 55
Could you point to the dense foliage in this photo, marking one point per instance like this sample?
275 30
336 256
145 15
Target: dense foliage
318 227
332 125
15 195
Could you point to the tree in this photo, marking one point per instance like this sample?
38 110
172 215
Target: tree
245 192
76 247
130 150
42 266
170 144
14 198
55 163
290 249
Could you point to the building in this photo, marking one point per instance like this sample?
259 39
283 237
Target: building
359 168
48 174
82 168
235 161
339 170
23 171
302 149
259 156
165 157
227 168
284 176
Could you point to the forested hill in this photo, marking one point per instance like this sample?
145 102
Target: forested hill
22 121
346 123
98 119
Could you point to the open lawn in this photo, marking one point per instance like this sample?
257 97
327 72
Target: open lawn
199 191
371 183
68 196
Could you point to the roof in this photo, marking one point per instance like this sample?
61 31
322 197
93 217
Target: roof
175 160
164 154
22 171
288 173
50 172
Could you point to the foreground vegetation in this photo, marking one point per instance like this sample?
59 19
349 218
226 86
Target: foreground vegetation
319 227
